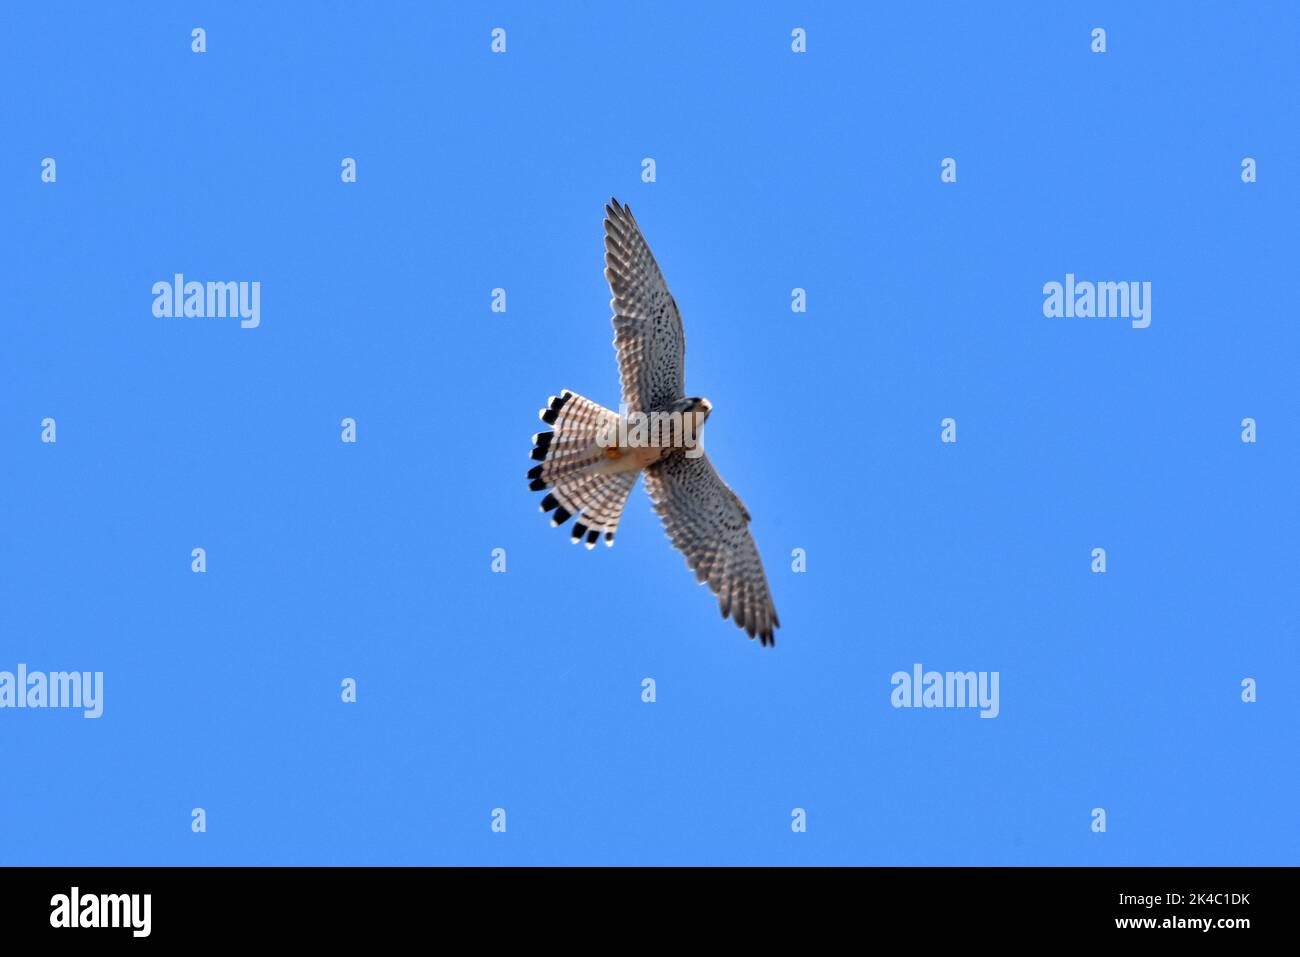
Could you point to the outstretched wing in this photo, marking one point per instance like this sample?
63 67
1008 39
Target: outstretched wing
647 326
708 523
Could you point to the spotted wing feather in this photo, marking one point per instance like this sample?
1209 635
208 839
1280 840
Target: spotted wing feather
709 524
647 326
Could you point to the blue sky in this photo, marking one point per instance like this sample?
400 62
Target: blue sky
522 690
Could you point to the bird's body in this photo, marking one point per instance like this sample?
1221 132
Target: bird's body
643 439
591 460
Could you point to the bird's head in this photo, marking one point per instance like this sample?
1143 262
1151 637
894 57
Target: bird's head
700 407
695 413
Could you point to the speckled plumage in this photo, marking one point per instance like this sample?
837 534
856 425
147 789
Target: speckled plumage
709 524
704 518
647 326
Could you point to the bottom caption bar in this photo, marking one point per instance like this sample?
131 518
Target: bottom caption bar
210 905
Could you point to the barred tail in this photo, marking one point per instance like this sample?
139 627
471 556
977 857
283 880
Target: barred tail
571 460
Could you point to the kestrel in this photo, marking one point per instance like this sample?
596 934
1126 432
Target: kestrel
592 459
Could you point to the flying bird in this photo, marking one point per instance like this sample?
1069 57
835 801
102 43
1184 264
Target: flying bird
591 460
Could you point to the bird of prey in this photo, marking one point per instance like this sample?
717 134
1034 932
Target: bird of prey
591 460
